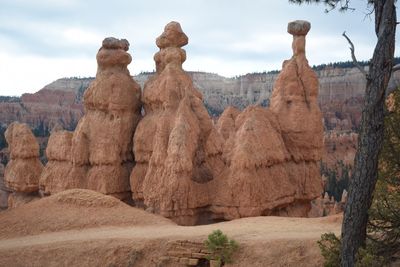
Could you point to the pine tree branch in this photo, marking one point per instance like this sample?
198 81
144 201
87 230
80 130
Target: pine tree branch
353 56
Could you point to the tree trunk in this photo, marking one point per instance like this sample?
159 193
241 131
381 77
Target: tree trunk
371 134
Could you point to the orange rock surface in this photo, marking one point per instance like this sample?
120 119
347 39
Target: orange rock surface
98 155
176 147
251 163
23 170
258 162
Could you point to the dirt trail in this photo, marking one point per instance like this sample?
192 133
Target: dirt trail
85 228
247 229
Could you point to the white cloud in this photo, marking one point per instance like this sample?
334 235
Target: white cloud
28 74
45 3
78 36
263 43
47 39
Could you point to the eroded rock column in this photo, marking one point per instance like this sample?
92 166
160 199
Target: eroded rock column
98 155
177 149
22 172
294 100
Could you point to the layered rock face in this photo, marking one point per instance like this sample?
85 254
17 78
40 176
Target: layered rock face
256 162
22 172
57 103
339 147
98 154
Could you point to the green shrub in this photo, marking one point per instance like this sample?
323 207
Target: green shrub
330 247
367 258
221 247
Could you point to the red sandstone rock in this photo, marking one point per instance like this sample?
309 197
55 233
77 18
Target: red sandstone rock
23 170
294 101
98 155
254 163
17 199
226 122
59 173
272 155
176 148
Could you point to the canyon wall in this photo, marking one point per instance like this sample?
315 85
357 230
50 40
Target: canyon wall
340 97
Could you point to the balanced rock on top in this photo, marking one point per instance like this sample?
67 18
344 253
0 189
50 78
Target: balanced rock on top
176 147
256 162
98 155
295 101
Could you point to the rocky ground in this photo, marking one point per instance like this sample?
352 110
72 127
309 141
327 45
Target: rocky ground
85 228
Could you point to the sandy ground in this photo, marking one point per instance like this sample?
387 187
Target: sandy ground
64 236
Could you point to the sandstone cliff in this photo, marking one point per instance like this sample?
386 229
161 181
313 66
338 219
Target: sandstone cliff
60 103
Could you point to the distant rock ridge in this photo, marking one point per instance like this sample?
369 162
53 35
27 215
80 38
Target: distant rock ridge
341 92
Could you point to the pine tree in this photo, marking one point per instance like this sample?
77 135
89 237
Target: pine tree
365 174
384 214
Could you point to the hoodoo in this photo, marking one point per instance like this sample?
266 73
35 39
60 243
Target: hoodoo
22 173
177 162
176 147
256 162
98 155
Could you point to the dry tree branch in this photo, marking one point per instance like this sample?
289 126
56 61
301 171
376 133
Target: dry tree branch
353 56
396 68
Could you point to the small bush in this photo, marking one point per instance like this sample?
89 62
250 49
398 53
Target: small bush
221 247
367 258
330 247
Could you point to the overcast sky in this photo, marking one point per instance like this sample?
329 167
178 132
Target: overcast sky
43 40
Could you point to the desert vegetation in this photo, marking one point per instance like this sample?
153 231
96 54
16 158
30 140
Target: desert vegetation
383 240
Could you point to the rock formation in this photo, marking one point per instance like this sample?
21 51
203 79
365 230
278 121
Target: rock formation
339 147
98 154
327 206
59 173
23 170
277 148
175 145
257 162
341 91
294 100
